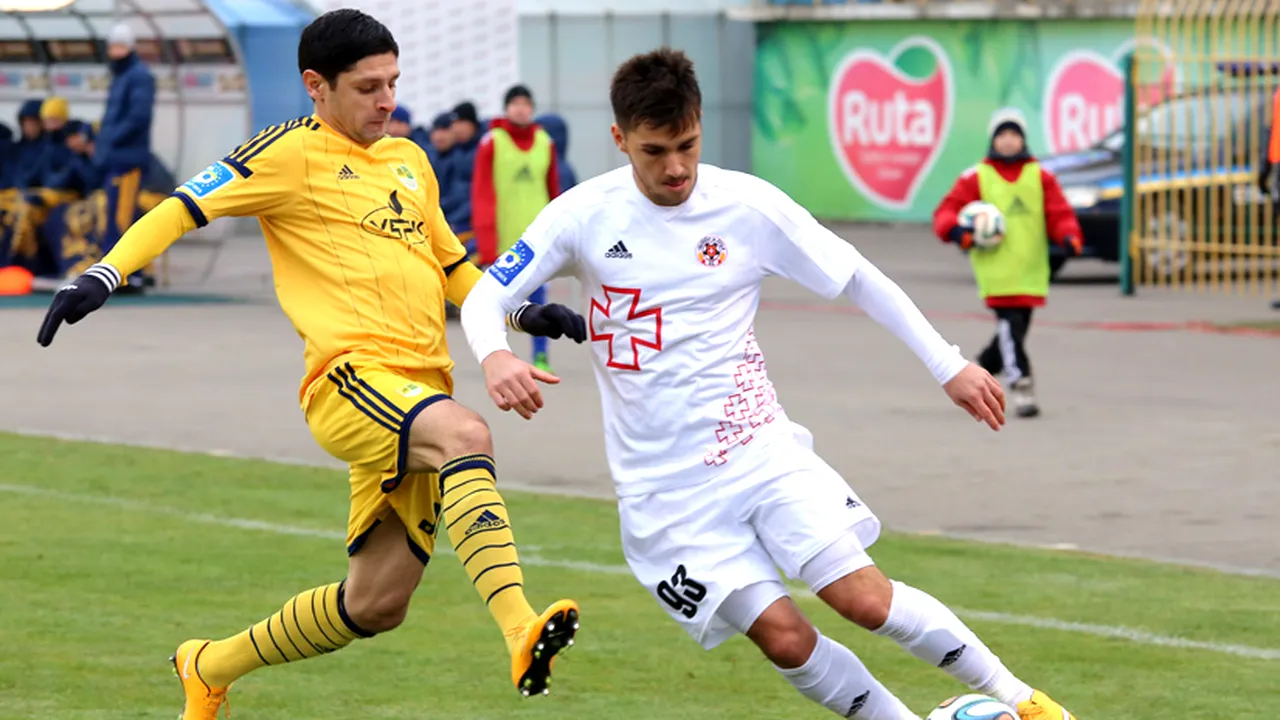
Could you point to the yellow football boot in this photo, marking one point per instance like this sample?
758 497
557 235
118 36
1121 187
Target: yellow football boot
1042 707
534 645
202 702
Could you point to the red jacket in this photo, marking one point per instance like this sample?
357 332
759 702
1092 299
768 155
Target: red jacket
1059 217
484 202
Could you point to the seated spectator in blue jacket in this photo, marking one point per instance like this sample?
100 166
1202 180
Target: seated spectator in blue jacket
559 132
122 150
77 177
25 154
465 128
439 144
401 122
54 116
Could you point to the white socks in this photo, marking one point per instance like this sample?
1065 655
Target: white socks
836 679
928 630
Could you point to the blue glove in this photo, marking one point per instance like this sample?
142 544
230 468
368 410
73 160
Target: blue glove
73 302
552 321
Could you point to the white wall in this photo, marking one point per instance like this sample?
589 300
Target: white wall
566 51
449 50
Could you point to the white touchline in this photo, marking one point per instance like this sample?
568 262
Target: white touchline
607 494
1107 631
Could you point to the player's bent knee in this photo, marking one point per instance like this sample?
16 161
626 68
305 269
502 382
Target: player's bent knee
863 597
446 431
376 612
784 635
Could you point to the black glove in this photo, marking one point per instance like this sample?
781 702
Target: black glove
1264 178
73 302
550 321
1073 246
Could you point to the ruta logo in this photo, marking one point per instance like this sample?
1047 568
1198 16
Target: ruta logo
1084 98
889 116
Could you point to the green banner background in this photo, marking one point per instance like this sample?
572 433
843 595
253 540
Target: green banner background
993 64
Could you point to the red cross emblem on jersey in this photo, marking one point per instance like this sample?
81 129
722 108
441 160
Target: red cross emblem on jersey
625 333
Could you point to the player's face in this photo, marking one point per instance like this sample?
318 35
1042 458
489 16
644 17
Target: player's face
664 161
442 138
360 101
1008 143
520 111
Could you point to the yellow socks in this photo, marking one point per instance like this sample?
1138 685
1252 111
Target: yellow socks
311 624
480 530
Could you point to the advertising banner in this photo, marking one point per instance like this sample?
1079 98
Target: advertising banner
874 120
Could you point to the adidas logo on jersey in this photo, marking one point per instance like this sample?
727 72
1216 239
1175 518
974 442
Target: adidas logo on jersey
1017 207
619 251
346 173
487 521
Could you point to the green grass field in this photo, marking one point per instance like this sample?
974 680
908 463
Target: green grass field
113 555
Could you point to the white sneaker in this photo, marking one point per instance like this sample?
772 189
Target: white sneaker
1024 398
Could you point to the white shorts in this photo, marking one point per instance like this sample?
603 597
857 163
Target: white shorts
776 507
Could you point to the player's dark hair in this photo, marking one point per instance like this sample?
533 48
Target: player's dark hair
658 89
334 42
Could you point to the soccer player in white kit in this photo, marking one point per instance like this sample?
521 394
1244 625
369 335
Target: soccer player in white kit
716 487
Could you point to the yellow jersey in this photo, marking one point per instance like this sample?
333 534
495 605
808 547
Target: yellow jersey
359 246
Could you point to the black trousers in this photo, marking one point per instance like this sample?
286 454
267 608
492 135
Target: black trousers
1007 351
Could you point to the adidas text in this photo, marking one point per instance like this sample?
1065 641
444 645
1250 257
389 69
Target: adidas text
618 251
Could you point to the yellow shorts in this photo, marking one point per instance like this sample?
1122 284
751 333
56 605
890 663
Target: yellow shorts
361 415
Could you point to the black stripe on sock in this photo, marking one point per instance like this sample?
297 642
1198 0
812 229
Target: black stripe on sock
256 649
272 635
486 547
337 626
289 636
342 612
320 627
302 632
458 548
445 493
476 579
471 462
508 586
454 504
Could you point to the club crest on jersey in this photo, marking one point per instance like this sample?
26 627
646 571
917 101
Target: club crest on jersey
404 175
711 251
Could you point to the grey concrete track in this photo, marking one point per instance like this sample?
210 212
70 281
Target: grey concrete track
1160 443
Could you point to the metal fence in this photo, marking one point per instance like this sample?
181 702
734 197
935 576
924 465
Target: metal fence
1200 92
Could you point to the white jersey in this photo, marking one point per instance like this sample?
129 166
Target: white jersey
674 293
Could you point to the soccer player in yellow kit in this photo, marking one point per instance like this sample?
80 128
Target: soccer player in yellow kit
363 262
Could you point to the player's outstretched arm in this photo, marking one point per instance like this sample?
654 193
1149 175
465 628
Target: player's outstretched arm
796 246
141 243
968 385
498 302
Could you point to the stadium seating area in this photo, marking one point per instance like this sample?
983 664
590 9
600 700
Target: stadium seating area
52 197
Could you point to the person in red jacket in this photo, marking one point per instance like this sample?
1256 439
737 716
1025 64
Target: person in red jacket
516 175
1013 276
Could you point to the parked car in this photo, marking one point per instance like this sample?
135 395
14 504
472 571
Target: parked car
1201 139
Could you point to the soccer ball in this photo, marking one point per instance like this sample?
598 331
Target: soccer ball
973 707
985 221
